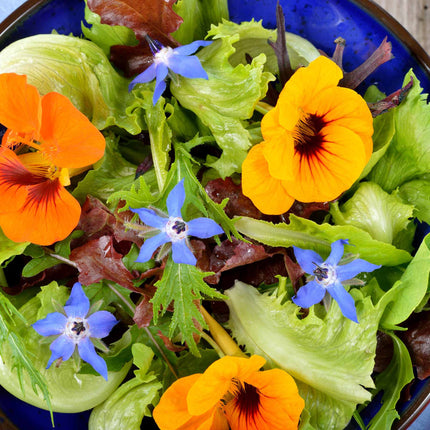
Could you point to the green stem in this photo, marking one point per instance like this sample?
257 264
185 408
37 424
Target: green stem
212 343
132 309
263 108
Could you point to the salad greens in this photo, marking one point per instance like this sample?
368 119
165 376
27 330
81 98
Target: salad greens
200 131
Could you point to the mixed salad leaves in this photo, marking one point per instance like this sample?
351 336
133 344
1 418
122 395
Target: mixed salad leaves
226 254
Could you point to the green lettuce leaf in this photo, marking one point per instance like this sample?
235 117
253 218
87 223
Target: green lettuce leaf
410 289
9 248
105 35
307 234
78 69
408 155
373 210
65 386
113 173
417 193
224 101
198 17
391 381
253 39
127 406
331 357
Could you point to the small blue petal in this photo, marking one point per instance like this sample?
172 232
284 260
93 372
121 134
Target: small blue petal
350 270
344 300
181 254
188 67
149 217
61 347
100 324
78 304
175 200
88 353
336 252
203 228
309 294
306 259
150 245
191 47
54 323
160 84
147 76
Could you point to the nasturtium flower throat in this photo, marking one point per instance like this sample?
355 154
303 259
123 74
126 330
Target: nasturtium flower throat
317 141
174 229
232 394
328 276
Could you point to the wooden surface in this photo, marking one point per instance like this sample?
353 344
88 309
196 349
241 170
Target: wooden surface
414 15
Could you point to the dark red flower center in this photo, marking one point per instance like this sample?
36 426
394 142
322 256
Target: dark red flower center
247 400
307 137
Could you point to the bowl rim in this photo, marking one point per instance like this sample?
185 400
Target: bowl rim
29 7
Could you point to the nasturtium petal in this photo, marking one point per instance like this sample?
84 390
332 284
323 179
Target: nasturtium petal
260 187
50 213
20 107
69 139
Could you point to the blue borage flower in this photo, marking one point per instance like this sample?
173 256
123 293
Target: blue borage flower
328 277
174 229
76 328
166 59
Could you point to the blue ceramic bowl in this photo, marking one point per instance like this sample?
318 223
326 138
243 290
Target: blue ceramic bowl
361 23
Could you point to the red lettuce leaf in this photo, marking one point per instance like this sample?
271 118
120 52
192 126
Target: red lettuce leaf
154 18
98 260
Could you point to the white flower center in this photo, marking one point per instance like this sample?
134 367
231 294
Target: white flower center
325 274
77 329
163 55
177 229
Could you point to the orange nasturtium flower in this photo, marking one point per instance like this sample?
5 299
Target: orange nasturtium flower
317 141
231 393
46 141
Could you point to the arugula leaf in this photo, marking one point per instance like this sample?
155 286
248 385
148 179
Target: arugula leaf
183 284
307 234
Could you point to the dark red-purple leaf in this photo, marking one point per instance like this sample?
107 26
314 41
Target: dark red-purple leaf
97 260
155 18
97 221
238 204
144 312
417 340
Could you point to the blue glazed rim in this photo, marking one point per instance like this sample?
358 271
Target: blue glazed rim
420 390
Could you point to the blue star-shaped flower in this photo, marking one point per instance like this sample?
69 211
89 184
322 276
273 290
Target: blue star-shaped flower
174 229
328 277
177 60
76 328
